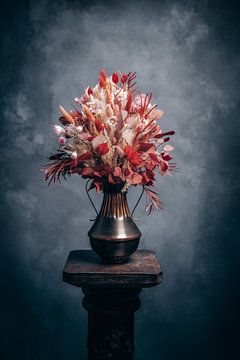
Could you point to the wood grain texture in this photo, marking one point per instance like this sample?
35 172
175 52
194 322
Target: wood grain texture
84 268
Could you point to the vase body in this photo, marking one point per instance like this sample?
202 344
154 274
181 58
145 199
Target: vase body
114 236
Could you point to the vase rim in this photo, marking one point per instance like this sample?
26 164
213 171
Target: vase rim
113 187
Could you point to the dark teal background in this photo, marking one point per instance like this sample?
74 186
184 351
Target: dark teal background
49 51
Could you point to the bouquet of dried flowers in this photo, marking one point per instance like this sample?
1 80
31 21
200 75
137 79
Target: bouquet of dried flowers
112 135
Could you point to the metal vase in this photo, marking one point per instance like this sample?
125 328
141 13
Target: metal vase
114 235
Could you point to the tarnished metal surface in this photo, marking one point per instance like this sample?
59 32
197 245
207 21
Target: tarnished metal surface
114 236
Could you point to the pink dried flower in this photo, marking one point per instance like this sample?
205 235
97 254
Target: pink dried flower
168 148
62 140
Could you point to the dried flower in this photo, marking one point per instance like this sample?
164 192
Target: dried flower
114 136
62 140
89 91
115 78
58 129
74 155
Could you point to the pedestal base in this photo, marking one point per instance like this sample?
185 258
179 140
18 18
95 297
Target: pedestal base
111 322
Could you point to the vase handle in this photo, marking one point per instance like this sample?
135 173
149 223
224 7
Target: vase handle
138 201
91 201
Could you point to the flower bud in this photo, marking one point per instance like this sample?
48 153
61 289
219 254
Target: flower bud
115 78
62 140
124 78
89 91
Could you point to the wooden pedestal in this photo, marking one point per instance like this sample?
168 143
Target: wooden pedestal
111 298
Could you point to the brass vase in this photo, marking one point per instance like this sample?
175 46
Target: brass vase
114 235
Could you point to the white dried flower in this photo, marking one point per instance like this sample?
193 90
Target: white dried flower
98 140
127 135
58 129
74 155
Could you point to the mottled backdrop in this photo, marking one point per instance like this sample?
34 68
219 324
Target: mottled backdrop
187 54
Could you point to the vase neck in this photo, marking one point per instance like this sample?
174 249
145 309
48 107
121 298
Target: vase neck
114 205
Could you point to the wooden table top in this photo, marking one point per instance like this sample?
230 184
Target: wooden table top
84 268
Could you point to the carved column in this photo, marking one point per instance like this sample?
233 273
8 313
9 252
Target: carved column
111 322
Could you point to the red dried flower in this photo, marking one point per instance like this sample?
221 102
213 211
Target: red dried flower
102 149
90 92
115 78
124 78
